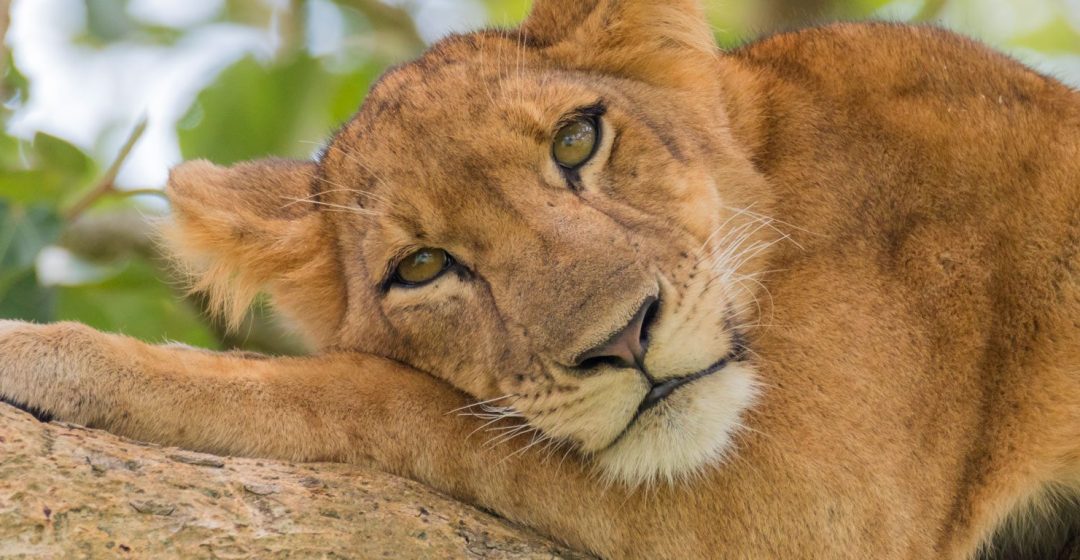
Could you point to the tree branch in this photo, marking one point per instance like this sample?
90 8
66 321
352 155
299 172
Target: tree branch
70 492
107 184
390 20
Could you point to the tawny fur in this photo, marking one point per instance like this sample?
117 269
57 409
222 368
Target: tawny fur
887 217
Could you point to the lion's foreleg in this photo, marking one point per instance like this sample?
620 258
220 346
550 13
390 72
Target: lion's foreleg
228 403
339 407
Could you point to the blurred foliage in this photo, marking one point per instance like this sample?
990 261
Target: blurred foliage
24 232
304 97
1055 37
102 267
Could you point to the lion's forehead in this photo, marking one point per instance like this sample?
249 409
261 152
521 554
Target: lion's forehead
470 95
455 79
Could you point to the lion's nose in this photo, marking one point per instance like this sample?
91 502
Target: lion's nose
626 347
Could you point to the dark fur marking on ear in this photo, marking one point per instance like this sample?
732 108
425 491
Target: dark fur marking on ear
381 98
548 23
316 186
514 36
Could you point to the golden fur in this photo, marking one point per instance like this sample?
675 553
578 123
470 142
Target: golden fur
869 231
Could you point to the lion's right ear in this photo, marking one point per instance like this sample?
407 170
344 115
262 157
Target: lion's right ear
254 227
668 43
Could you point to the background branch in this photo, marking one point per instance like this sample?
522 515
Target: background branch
5 21
107 184
389 21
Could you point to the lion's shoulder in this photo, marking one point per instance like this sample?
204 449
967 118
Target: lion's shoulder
874 58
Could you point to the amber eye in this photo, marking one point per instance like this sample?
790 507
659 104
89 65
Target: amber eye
575 143
422 266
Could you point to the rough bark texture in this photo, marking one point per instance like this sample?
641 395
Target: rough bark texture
71 492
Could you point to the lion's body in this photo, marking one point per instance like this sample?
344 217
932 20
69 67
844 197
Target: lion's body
913 379
940 186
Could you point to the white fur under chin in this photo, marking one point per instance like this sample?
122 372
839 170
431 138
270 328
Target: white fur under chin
690 431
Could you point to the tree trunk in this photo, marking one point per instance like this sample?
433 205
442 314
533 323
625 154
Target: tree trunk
72 492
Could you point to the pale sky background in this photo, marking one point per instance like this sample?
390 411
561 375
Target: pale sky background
93 96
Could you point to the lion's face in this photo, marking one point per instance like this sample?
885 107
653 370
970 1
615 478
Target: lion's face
576 249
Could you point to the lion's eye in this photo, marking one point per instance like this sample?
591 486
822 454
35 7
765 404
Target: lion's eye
575 143
422 266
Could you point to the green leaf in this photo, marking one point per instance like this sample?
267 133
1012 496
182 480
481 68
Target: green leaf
253 111
107 21
505 13
350 92
31 186
1056 37
57 170
23 298
58 154
283 110
11 152
14 82
137 303
24 232
863 8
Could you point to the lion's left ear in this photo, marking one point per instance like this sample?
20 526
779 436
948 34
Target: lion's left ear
663 42
253 227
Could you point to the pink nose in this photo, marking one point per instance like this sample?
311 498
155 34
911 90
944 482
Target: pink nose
626 348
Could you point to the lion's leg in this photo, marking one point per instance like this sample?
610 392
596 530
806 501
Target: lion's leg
343 407
228 403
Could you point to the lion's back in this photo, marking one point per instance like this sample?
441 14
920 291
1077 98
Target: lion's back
950 127
883 59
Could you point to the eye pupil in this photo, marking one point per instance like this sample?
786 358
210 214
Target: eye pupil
422 266
575 143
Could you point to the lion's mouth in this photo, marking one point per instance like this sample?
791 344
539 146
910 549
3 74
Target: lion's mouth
664 389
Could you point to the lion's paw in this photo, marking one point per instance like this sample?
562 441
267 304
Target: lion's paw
42 368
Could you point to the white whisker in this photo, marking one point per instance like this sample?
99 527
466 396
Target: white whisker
489 401
349 209
509 435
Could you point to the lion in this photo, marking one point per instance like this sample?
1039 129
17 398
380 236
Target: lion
814 297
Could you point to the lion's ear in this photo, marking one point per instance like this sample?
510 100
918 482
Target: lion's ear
666 43
253 227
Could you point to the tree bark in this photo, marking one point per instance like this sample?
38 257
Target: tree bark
71 492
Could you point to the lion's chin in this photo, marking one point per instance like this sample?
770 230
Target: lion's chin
687 433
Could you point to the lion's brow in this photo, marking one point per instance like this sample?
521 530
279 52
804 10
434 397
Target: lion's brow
527 123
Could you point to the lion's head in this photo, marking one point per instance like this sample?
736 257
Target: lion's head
556 219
